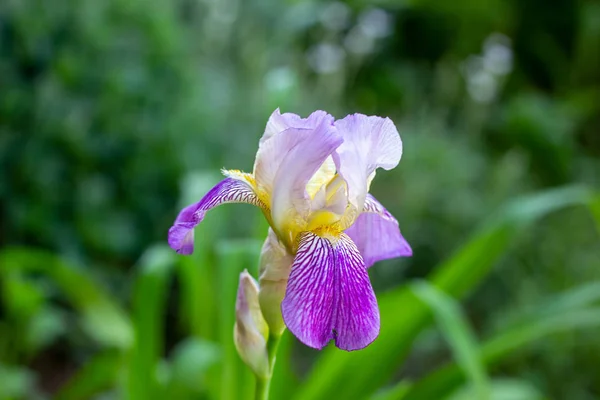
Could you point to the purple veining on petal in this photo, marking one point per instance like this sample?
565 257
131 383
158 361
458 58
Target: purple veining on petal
309 301
377 235
329 295
356 320
229 190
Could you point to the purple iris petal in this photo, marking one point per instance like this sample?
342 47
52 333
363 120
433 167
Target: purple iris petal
357 320
309 303
279 122
287 160
377 235
329 295
229 190
369 143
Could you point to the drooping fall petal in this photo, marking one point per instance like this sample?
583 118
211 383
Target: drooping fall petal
308 306
329 295
356 323
229 190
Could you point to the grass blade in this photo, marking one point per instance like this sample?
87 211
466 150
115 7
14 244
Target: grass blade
149 301
284 380
188 367
447 379
503 389
458 334
98 374
102 318
396 392
579 297
15 382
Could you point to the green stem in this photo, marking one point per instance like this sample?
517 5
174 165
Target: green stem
261 391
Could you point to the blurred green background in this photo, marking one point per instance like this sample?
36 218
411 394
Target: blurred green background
116 113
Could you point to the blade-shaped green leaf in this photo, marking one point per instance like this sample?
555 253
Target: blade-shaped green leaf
594 206
102 318
15 382
98 374
503 389
576 298
188 366
455 328
445 380
284 381
396 392
149 300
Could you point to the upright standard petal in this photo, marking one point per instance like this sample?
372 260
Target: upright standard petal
284 165
279 122
369 143
279 139
229 190
329 295
377 234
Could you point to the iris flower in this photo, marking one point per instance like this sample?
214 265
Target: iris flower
311 180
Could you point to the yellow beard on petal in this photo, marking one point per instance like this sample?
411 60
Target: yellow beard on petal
249 179
323 222
329 232
240 175
322 218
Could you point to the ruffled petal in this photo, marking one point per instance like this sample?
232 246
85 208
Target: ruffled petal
287 161
279 122
377 234
229 190
290 201
280 138
329 295
369 143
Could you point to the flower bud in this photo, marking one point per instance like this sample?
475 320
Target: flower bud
275 266
250 331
